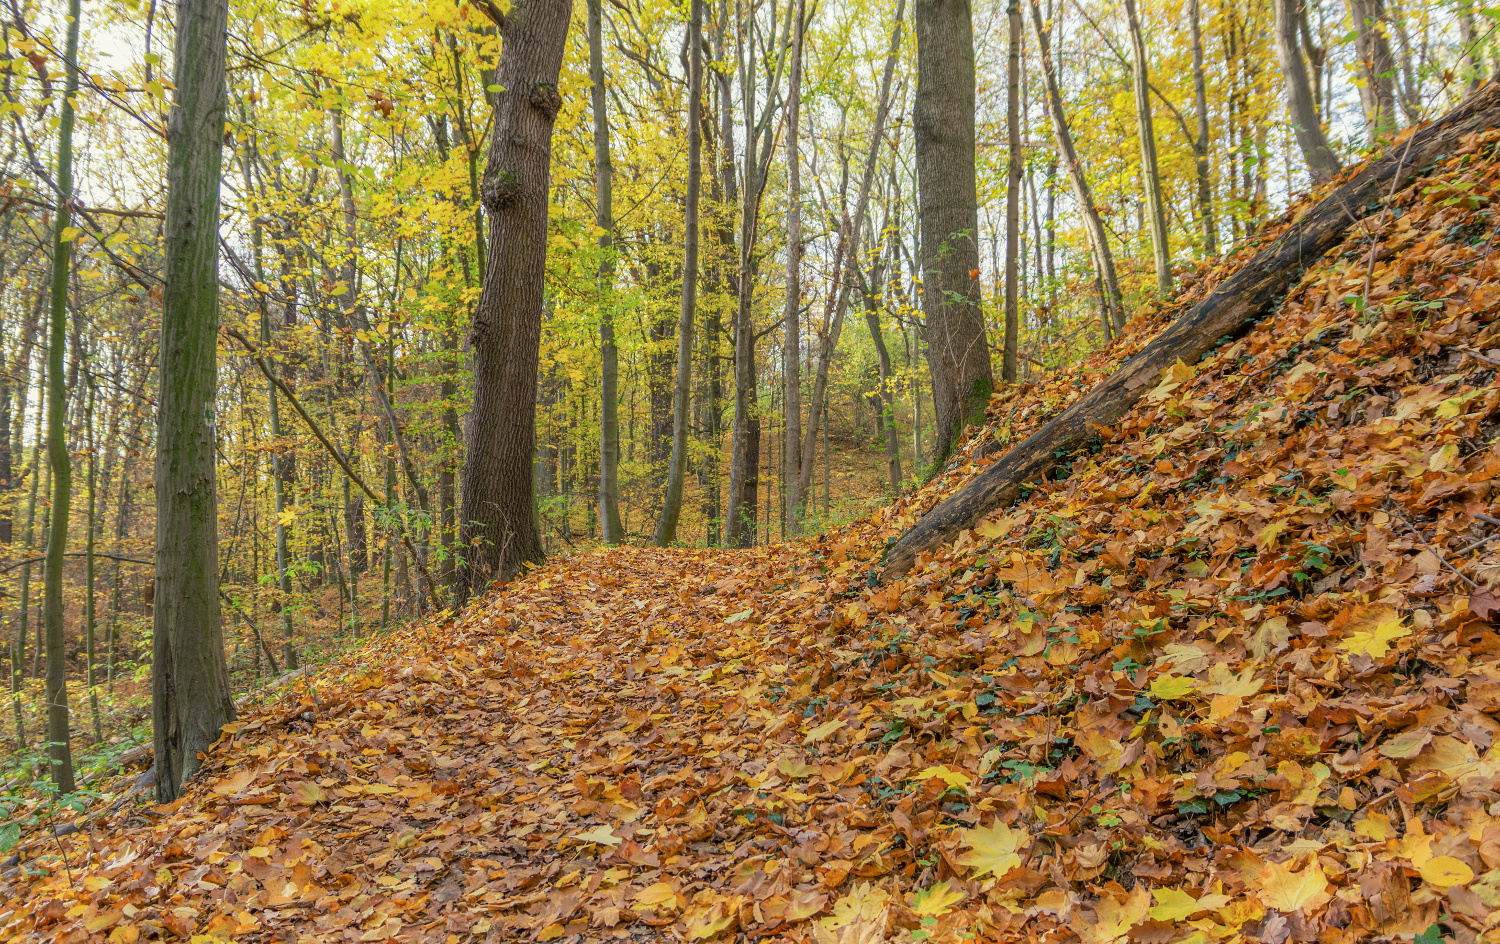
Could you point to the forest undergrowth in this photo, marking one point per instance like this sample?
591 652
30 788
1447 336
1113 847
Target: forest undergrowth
1230 676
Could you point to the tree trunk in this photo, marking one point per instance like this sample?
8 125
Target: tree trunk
58 735
1104 263
943 119
887 396
744 465
1470 64
500 533
791 352
671 509
1010 371
845 259
1200 144
190 683
1229 311
610 526
1322 164
1156 212
1376 66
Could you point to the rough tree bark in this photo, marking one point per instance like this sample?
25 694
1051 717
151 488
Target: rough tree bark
190 683
1230 310
610 526
948 206
671 508
499 528
1322 163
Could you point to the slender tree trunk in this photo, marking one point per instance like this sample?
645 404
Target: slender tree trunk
353 305
1104 263
943 119
58 733
1470 63
744 466
791 353
1376 67
88 564
845 259
1161 250
1010 366
1322 164
500 533
610 525
671 511
190 683
887 399
1200 144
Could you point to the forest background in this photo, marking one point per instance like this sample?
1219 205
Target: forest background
352 236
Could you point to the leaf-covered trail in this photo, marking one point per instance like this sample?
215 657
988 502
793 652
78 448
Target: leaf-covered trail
540 765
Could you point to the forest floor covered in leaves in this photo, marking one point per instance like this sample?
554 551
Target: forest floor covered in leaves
1231 676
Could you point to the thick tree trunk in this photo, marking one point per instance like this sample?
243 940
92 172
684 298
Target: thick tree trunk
1104 263
1230 310
1156 212
1322 164
791 350
671 509
190 683
500 533
1010 370
943 119
610 526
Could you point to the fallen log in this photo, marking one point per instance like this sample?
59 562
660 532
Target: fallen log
1230 310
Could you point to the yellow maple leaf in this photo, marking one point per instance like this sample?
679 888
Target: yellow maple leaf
993 528
1116 918
864 901
1172 687
1375 826
1222 681
602 835
1281 888
953 778
937 900
1372 629
711 916
1173 904
1171 378
994 849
